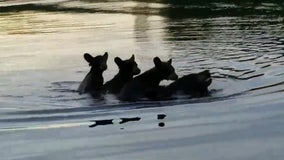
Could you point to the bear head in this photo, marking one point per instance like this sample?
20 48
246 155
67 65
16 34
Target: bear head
127 67
196 84
165 69
203 79
98 63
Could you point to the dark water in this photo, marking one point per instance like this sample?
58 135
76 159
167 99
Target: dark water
41 63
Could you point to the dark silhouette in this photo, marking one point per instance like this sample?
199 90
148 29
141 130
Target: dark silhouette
93 82
195 85
127 69
161 124
125 120
136 88
161 116
101 122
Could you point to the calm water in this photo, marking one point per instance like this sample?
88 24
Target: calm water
41 66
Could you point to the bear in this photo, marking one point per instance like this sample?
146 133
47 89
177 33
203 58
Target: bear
195 85
127 69
136 88
93 82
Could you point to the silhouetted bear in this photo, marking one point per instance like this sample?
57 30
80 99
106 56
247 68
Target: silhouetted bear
127 69
195 85
137 87
93 82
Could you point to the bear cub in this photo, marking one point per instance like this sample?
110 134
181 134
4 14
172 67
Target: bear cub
93 82
195 85
137 87
127 69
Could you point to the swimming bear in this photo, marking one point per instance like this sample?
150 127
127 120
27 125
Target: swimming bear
195 85
137 87
127 69
93 82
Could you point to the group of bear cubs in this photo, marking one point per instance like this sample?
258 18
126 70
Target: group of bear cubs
146 85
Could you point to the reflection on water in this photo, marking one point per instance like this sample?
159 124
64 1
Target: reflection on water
125 120
241 44
104 122
173 9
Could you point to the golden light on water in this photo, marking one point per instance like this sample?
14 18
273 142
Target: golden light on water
39 40
42 127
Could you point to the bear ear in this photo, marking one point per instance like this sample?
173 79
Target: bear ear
132 58
207 73
118 61
157 61
88 57
170 61
105 56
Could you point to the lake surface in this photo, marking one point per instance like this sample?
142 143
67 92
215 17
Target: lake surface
41 66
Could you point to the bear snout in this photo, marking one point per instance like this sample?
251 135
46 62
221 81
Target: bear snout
172 76
103 67
136 71
208 81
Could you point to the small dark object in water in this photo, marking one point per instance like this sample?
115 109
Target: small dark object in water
161 124
161 116
101 122
124 120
